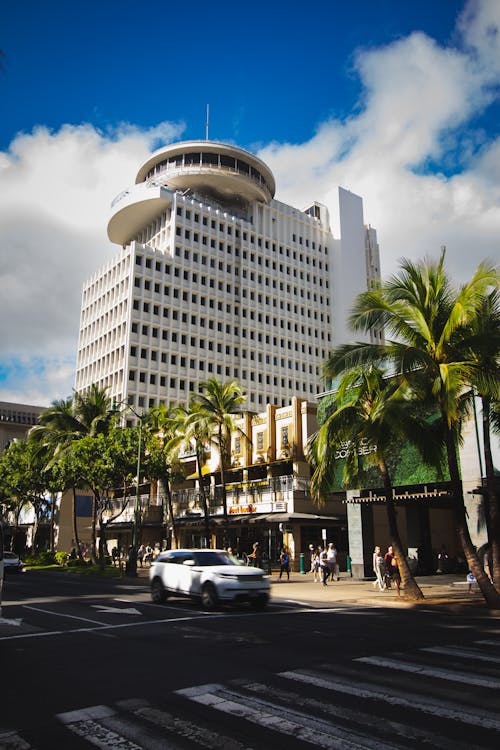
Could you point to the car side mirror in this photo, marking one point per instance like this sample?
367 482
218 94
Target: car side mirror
188 562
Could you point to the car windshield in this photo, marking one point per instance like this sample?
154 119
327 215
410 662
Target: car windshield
212 558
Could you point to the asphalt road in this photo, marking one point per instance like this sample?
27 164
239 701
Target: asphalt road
93 663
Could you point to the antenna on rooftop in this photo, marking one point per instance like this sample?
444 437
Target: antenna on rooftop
206 123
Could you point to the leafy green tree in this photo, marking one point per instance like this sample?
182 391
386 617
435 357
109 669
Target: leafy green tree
371 410
426 320
86 414
24 481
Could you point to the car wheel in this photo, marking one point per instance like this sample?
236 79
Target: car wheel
158 593
260 603
209 596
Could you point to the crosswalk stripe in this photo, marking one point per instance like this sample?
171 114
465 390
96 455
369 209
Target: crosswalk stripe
186 729
407 731
101 726
463 653
12 741
443 674
407 700
283 720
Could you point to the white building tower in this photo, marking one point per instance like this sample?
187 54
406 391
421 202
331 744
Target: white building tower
216 278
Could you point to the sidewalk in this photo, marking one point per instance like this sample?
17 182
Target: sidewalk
440 591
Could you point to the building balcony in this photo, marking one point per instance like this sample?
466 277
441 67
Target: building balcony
271 495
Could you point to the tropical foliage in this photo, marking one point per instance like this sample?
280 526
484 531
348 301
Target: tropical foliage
429 326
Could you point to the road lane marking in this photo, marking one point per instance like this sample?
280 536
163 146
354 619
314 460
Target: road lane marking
436 707
145 623
63 614
463 653
116 610
442 674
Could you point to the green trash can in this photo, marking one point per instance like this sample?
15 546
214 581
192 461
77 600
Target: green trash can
301 563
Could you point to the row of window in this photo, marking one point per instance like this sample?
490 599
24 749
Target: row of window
236 373
268 359
207 159
228 229
227 329
195 320
228 288
143 402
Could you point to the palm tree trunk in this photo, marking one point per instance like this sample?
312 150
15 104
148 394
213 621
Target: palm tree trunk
204 502
491 501
223 483
93 538
168 493
411 587
491 596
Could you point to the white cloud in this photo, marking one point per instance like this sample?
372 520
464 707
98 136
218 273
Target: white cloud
56 192
418 102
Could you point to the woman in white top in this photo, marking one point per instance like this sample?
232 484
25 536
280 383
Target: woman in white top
378 569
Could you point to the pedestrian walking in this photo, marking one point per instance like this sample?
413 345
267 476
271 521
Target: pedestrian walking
284 563
323 564
255 555
378 569
315 565
392 575
332 561
140 554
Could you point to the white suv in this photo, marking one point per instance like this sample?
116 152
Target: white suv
208 574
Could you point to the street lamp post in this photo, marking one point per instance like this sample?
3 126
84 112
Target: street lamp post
135 528
131 565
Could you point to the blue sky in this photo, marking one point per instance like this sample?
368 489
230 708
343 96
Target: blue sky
270 70
396 101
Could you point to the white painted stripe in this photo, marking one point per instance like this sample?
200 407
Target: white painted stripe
82 714
283 720
407 731
102 727
463 653
63 614
12 741
193 732
442 674
33 635
444 709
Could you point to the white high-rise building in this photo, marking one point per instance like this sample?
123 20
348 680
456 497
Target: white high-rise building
216 278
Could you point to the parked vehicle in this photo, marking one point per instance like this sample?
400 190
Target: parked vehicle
209 575
12 562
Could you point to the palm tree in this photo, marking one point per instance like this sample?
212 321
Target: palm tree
220 403
162 448
194 431
426 319
369 409
482 347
